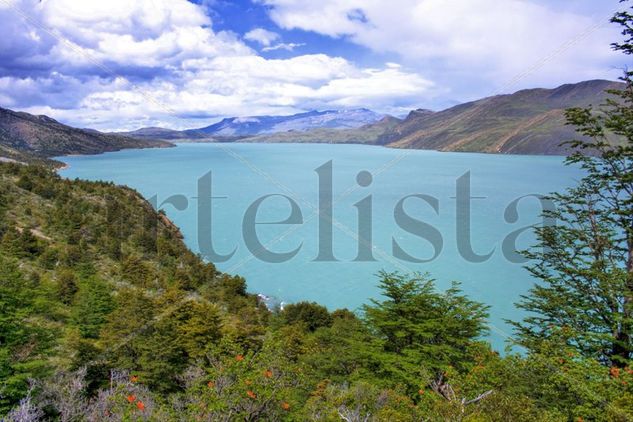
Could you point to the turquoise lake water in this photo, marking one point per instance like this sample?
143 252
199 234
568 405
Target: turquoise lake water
243 173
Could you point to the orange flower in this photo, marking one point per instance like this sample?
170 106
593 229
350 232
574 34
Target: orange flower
268 373
420 391
615 372
250 394
239 358
211 384
131 398
580 419
285 406
140 405
134 378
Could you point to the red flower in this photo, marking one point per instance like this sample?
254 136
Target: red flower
140 405
285 406
250 394
131 398
268 373
615 372
239 358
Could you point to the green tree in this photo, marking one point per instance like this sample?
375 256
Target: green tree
93 304
23 342
66 286
423 326
309 314
585 262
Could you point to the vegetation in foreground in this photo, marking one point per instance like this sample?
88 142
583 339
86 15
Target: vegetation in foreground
105 315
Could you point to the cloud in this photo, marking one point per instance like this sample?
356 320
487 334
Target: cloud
283 46
261 36
122 65
482 40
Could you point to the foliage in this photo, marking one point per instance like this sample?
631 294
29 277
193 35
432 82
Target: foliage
586 260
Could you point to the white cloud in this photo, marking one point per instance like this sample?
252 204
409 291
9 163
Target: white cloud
493 40
283 46
261 36
122 64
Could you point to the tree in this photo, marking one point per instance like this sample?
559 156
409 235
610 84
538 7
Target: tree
93 304
423 326
310 314
66 286
585 263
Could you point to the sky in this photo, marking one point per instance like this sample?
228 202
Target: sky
126 64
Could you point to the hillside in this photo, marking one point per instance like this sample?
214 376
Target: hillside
85 264
526 122
26 137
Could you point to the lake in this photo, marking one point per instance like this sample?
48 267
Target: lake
393 210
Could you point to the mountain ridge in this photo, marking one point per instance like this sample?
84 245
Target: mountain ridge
30 138
529 121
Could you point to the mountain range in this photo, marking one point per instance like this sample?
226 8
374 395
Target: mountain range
257 125
529 121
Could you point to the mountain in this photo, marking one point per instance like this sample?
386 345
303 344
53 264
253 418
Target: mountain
371 134
527 122
153 133
26 137
256 125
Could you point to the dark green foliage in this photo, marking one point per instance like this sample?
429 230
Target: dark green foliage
309 314
24 341
92 306
66 286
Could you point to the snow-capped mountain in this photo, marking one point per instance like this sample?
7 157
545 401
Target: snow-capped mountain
255 125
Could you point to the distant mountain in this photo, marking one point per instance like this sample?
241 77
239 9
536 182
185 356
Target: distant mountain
527 122
371 134
153 133
257 125
26 137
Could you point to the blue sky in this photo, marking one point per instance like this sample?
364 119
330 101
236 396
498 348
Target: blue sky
125 64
